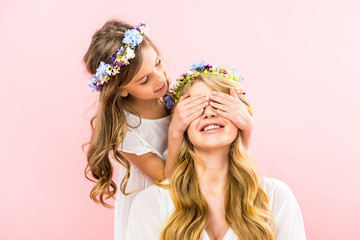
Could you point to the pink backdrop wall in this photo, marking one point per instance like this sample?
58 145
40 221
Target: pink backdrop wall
301 63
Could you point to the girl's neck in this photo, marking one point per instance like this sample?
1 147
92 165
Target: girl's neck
147 109
213 170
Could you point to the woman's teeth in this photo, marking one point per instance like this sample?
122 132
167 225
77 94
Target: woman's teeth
210 127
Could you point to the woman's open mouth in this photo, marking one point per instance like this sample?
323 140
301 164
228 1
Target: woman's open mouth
212 128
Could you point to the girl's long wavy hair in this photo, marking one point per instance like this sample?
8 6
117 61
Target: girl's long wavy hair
109 124
246 202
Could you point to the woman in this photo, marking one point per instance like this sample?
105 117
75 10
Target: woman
214 192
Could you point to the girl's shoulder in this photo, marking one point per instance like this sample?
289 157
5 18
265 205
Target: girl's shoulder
134 120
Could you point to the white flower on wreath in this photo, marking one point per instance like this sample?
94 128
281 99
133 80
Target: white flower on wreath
130 53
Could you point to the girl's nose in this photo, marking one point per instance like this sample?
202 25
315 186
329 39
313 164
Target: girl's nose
160 74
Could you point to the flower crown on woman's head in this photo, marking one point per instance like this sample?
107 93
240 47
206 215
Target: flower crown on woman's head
133 37
195 70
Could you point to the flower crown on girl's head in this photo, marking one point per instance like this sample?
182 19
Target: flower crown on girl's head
133 37
195 70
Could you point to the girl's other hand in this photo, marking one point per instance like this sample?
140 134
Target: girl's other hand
233 109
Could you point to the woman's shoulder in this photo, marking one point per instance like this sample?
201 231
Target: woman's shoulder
147 216
274 186
285 209
152 201
148 193
280 195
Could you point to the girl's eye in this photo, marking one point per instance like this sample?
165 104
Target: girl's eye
158 63
145 82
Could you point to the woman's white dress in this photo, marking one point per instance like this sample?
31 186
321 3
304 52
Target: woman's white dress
150 136
153 206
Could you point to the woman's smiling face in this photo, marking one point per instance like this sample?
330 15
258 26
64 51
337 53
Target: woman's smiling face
210 131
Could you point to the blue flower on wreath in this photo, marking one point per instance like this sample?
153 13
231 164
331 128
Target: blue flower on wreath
241 79
93 83
132 37
101 70
235 72
169 102
197 66
237 75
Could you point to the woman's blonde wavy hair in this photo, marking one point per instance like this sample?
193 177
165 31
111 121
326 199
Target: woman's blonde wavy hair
246 202
109 124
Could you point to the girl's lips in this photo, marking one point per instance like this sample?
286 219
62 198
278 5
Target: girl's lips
161 89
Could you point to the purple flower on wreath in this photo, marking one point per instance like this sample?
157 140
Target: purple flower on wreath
132 37
208 67
112 60
183 75
120 63
169 102
119 51
197 66
140 25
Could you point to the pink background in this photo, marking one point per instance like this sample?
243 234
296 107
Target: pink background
300 60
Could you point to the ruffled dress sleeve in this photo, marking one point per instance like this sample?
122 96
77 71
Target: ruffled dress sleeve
285 209
144 136
134 143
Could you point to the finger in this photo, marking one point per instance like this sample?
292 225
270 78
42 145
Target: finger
224 114
202 101
242 124
196 109
192 98
220 106
184 97
227 100
232 98
223 99
195 115
233 93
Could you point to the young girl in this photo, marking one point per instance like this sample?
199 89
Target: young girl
214 191
132 125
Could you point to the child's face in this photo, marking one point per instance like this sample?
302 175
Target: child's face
150 82
210 131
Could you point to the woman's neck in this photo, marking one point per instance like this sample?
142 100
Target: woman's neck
213 170
147 109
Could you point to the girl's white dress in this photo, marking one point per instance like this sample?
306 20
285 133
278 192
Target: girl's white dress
153 206
150 136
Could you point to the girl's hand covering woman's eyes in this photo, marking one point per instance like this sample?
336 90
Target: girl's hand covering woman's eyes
187 110
233 109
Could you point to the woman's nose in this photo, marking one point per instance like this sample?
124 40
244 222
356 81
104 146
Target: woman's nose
210 112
